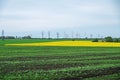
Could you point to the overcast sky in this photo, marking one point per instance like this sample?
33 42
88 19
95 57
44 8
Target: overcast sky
84 17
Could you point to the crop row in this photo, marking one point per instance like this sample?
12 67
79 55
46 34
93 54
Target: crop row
66 73
58 63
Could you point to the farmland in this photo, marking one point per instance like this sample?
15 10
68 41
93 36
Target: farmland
70 43
58 63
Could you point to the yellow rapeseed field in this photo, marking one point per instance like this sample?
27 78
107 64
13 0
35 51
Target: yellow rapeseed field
70 43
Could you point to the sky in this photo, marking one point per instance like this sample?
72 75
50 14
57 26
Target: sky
98 18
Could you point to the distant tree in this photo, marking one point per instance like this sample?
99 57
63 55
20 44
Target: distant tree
119 39
9 37
116 40
109 39
26 37
95 40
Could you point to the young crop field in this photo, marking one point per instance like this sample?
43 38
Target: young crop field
58 62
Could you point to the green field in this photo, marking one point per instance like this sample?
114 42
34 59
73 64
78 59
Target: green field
58 63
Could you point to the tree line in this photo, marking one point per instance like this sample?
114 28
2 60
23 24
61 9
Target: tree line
106 39
15 37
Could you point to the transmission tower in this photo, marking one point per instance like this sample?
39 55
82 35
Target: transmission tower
42 34
91 36
72 35
48 34
57 35
2 34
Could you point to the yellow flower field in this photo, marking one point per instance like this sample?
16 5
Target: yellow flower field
70 43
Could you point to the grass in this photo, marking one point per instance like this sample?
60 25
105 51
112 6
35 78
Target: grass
58 63
15 41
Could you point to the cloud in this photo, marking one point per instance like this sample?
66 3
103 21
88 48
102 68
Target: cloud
29 15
